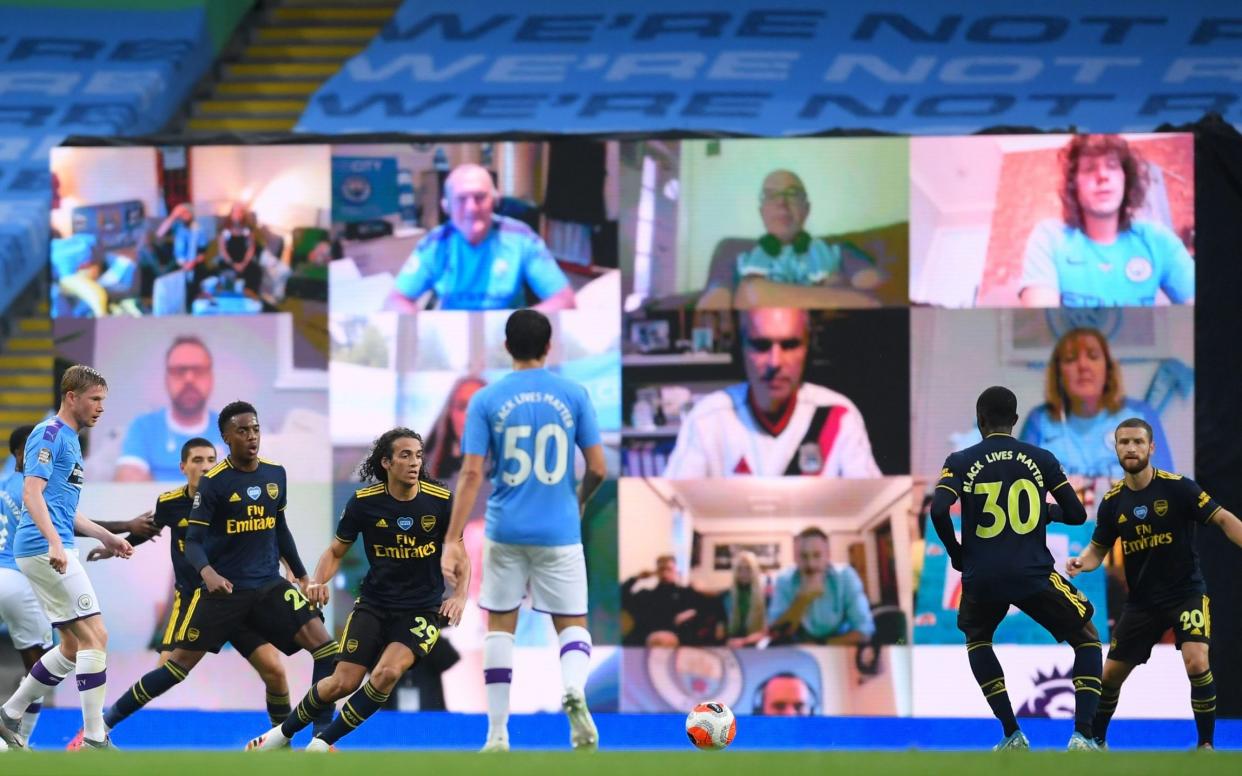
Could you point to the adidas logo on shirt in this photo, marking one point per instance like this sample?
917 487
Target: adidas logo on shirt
234 497
382 523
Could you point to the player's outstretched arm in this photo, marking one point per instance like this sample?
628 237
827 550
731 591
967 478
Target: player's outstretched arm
140 528
1088 561
329 563
1230 524
596 471
942 500
84 526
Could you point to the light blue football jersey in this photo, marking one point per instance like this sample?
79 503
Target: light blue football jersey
54 454
529 422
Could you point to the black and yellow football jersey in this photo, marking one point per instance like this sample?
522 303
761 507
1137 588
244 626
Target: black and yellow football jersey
403 542
244 513
172 511
1156 526
1003 484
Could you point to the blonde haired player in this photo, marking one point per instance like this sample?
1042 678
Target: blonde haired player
44 548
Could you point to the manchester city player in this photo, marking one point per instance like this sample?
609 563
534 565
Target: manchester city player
528 424
45 552
1003 484
1156 514
396 621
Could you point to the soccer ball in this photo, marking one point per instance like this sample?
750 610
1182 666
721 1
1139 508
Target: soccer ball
711 725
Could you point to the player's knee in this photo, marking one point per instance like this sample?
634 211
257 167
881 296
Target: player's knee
1196 660
663 639
1087 635
385 677
340 683
273 676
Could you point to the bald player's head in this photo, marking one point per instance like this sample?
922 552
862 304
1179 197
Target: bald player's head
470 199
783 205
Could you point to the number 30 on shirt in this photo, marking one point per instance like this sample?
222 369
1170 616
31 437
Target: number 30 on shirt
515 453
1019 491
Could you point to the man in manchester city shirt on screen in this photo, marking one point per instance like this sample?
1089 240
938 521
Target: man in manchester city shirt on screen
480 260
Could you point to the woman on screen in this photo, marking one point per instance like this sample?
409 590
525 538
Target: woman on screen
444 441
1085 400
744 603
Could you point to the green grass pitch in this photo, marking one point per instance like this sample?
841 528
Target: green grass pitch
688 763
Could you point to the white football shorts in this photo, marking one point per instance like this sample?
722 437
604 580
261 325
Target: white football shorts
555 577
64 597
20 610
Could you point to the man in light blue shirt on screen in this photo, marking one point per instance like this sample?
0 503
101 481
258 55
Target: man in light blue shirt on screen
479 260
1097 255
528 424
152 446
817 603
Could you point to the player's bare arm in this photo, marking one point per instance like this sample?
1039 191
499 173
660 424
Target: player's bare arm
596 471
32 495
456 564
329 563
1088 561
1230 524
84 526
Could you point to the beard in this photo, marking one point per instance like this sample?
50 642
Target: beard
189 401
1135 465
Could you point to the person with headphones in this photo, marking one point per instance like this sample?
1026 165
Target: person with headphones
787 265
785 695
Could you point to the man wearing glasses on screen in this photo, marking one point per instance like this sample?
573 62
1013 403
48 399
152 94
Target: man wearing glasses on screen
153 442
787 266
1097 254
480 260
773 424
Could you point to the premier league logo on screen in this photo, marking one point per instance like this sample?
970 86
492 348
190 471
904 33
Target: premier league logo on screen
1053 696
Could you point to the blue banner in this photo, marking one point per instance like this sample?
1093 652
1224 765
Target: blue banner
79 72
789 67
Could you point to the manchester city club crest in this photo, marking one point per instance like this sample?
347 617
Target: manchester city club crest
254 491
810 459
1140 512
273 490
356 189
428 522
405 523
